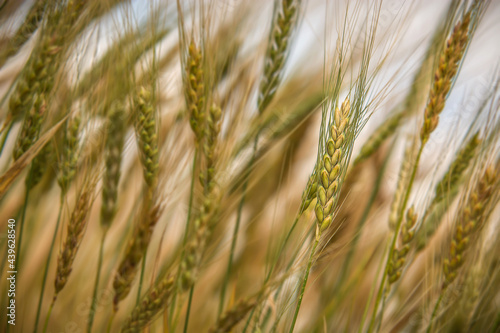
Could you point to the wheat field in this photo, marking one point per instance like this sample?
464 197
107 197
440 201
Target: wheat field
249 166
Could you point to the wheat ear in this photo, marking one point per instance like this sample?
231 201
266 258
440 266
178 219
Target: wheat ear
212 128
233 316
137 246
39 165
76 228
310 192
115 138
24 32
196 247
38 76
471 219
147 137
328 186
150 305
276 52
403 179
69 158
447 69
31 127
329 174
195 91
406 235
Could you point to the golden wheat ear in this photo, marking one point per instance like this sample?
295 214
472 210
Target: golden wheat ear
76 228
154 301
329 173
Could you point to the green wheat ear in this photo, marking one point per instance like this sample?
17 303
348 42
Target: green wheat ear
277 51
31 127
195 91
115 137
146 132
70 153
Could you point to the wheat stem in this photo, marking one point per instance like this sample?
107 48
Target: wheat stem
47 265
93 304
188 311
394 240
141 277
234 237
5 136
434 313
47 318
21 228
304 282
361 223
